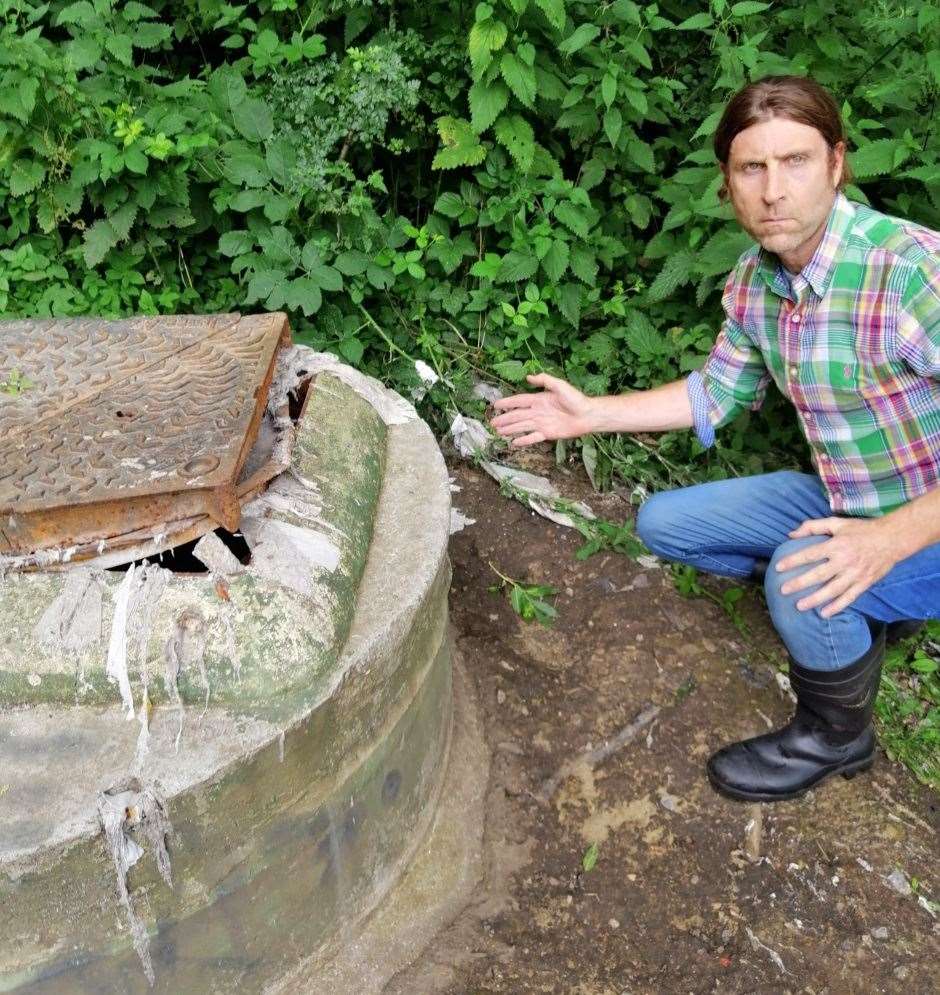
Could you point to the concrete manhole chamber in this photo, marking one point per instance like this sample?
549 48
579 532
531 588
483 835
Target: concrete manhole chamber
225 675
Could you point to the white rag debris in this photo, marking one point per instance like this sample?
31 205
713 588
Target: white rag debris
472 440
459 521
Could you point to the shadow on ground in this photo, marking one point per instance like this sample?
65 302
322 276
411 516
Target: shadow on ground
675 902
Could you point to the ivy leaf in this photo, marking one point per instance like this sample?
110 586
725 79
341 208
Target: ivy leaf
519 77
555 261
515 133
25 176
516 266
486 37
554 11
583 35
487 102
697 22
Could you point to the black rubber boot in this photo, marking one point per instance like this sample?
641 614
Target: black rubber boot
896 631
830 733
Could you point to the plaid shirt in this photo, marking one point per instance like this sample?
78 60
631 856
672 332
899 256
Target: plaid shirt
854 342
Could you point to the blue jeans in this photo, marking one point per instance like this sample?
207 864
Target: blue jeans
724 526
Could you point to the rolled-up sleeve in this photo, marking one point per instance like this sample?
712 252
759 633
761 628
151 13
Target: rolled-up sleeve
733 379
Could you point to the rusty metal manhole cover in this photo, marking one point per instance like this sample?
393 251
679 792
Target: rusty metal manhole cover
115 427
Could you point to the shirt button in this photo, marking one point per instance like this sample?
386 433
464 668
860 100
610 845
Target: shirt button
796 318
808 415
823 458
793 371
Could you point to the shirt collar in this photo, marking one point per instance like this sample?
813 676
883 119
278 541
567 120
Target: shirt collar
818 272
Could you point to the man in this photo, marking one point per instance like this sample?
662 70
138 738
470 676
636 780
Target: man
840 305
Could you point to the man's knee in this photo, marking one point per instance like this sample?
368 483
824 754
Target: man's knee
782 607
657 522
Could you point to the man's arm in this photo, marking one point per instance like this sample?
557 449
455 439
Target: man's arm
561 411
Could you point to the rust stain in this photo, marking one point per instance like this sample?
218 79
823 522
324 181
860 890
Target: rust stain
131 426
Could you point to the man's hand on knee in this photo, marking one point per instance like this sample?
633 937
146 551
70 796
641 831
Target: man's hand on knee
860 552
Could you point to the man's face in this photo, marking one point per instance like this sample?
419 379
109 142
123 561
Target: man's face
782 180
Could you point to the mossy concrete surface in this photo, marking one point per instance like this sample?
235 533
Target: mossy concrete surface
266 649
298 794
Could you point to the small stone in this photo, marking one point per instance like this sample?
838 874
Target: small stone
669 802
880 932
898 882
500 697
902 973
33 680
613 924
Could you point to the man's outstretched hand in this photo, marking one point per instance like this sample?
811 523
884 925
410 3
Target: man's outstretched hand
559 411
860 552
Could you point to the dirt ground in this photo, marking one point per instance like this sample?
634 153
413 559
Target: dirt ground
676 902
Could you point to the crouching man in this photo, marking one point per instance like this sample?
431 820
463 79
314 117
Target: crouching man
840 305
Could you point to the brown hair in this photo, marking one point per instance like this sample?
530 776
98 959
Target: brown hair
798 98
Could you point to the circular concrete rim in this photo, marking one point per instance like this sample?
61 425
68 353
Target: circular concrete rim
364 648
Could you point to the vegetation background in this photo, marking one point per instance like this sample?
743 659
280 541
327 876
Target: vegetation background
490 189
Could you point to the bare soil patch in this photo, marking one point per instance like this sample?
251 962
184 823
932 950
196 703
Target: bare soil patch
675 903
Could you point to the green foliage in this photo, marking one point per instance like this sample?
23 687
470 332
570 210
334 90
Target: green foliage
494 189
589 858
908 706
15 384
527 600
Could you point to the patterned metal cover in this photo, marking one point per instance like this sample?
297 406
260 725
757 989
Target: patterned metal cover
108 428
